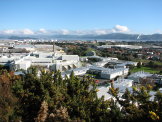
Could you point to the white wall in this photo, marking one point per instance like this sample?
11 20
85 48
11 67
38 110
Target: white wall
24 65
70 57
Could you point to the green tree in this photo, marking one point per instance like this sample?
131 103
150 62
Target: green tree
139 64
151 64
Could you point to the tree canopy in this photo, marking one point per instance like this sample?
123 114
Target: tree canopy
49 97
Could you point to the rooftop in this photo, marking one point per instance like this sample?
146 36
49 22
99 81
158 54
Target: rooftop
140 74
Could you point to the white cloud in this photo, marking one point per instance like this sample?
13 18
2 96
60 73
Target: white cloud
27 32
42 31
120 28
17 32
158 31
59 32
65 32
102 31
99 32
8 31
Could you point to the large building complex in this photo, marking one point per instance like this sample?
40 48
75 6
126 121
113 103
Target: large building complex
138 76
47 60
47 56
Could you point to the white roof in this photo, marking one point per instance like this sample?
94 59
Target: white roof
24 46
160 89
107 70
103 91
123 82
46 46
140 74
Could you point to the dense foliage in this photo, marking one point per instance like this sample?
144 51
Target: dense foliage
46 96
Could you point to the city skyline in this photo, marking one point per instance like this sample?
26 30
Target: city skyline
47 17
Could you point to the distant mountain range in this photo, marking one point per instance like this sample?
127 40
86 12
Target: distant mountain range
112 36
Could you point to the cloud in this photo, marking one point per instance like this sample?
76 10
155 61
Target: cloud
8 31
59 32
65 32
42 31
27 32
120 28
17 32
100 32
158 31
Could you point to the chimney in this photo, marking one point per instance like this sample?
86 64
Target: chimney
53 46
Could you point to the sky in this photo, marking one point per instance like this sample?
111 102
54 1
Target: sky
80 16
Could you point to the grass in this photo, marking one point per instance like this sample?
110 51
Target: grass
147 61
145 69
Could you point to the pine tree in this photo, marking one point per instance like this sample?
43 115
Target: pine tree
8 101
60 115
43 112
158 100
75 99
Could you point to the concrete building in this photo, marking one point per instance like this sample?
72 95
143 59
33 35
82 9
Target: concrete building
28 47
77 72
157 78
102 91
107 73
113 73
105 61
138 76
47 60
123 84
121 63
3 48
124 64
